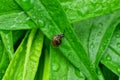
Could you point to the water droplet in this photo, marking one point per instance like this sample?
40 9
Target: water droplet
117 35
40 23
28 18
104 44
20 13
55 67
99 33
70 31
108 57
34 17
13 26
27 4
39 9
84 10
92 67
98 72
100 25
92 45
118 44
78 73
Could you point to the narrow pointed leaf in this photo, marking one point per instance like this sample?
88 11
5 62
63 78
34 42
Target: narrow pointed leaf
83 34
8 42
111 58
101 34
4 59
25 62
46 72
14 70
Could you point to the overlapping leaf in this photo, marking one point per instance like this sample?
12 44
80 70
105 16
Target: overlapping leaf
61 68
4 59
111 58
97 29
51 19
25 62
101 33
57 24
77 10
8 42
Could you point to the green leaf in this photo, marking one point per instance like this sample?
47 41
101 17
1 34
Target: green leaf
83 34
109 75
46 72
8 42
16 21
43 72
61 68
53 21
1 48
12 17
7 6
39 73
77 10
25 62
4 59
111 58
4 63
17 36
100 35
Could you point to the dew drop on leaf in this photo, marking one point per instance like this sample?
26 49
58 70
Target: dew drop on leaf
20 13
92 67
34 17
117 35
40 23
118 44
55 67
108 58
28 18
78 73
13 26
99 33
92 45
100 25
98 72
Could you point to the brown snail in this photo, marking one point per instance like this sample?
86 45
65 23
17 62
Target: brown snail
57 40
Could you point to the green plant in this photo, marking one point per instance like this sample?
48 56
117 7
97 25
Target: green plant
89 50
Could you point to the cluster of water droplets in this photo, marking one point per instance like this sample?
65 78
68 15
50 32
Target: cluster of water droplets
118 37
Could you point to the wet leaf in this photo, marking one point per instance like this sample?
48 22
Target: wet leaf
27 57
56 25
